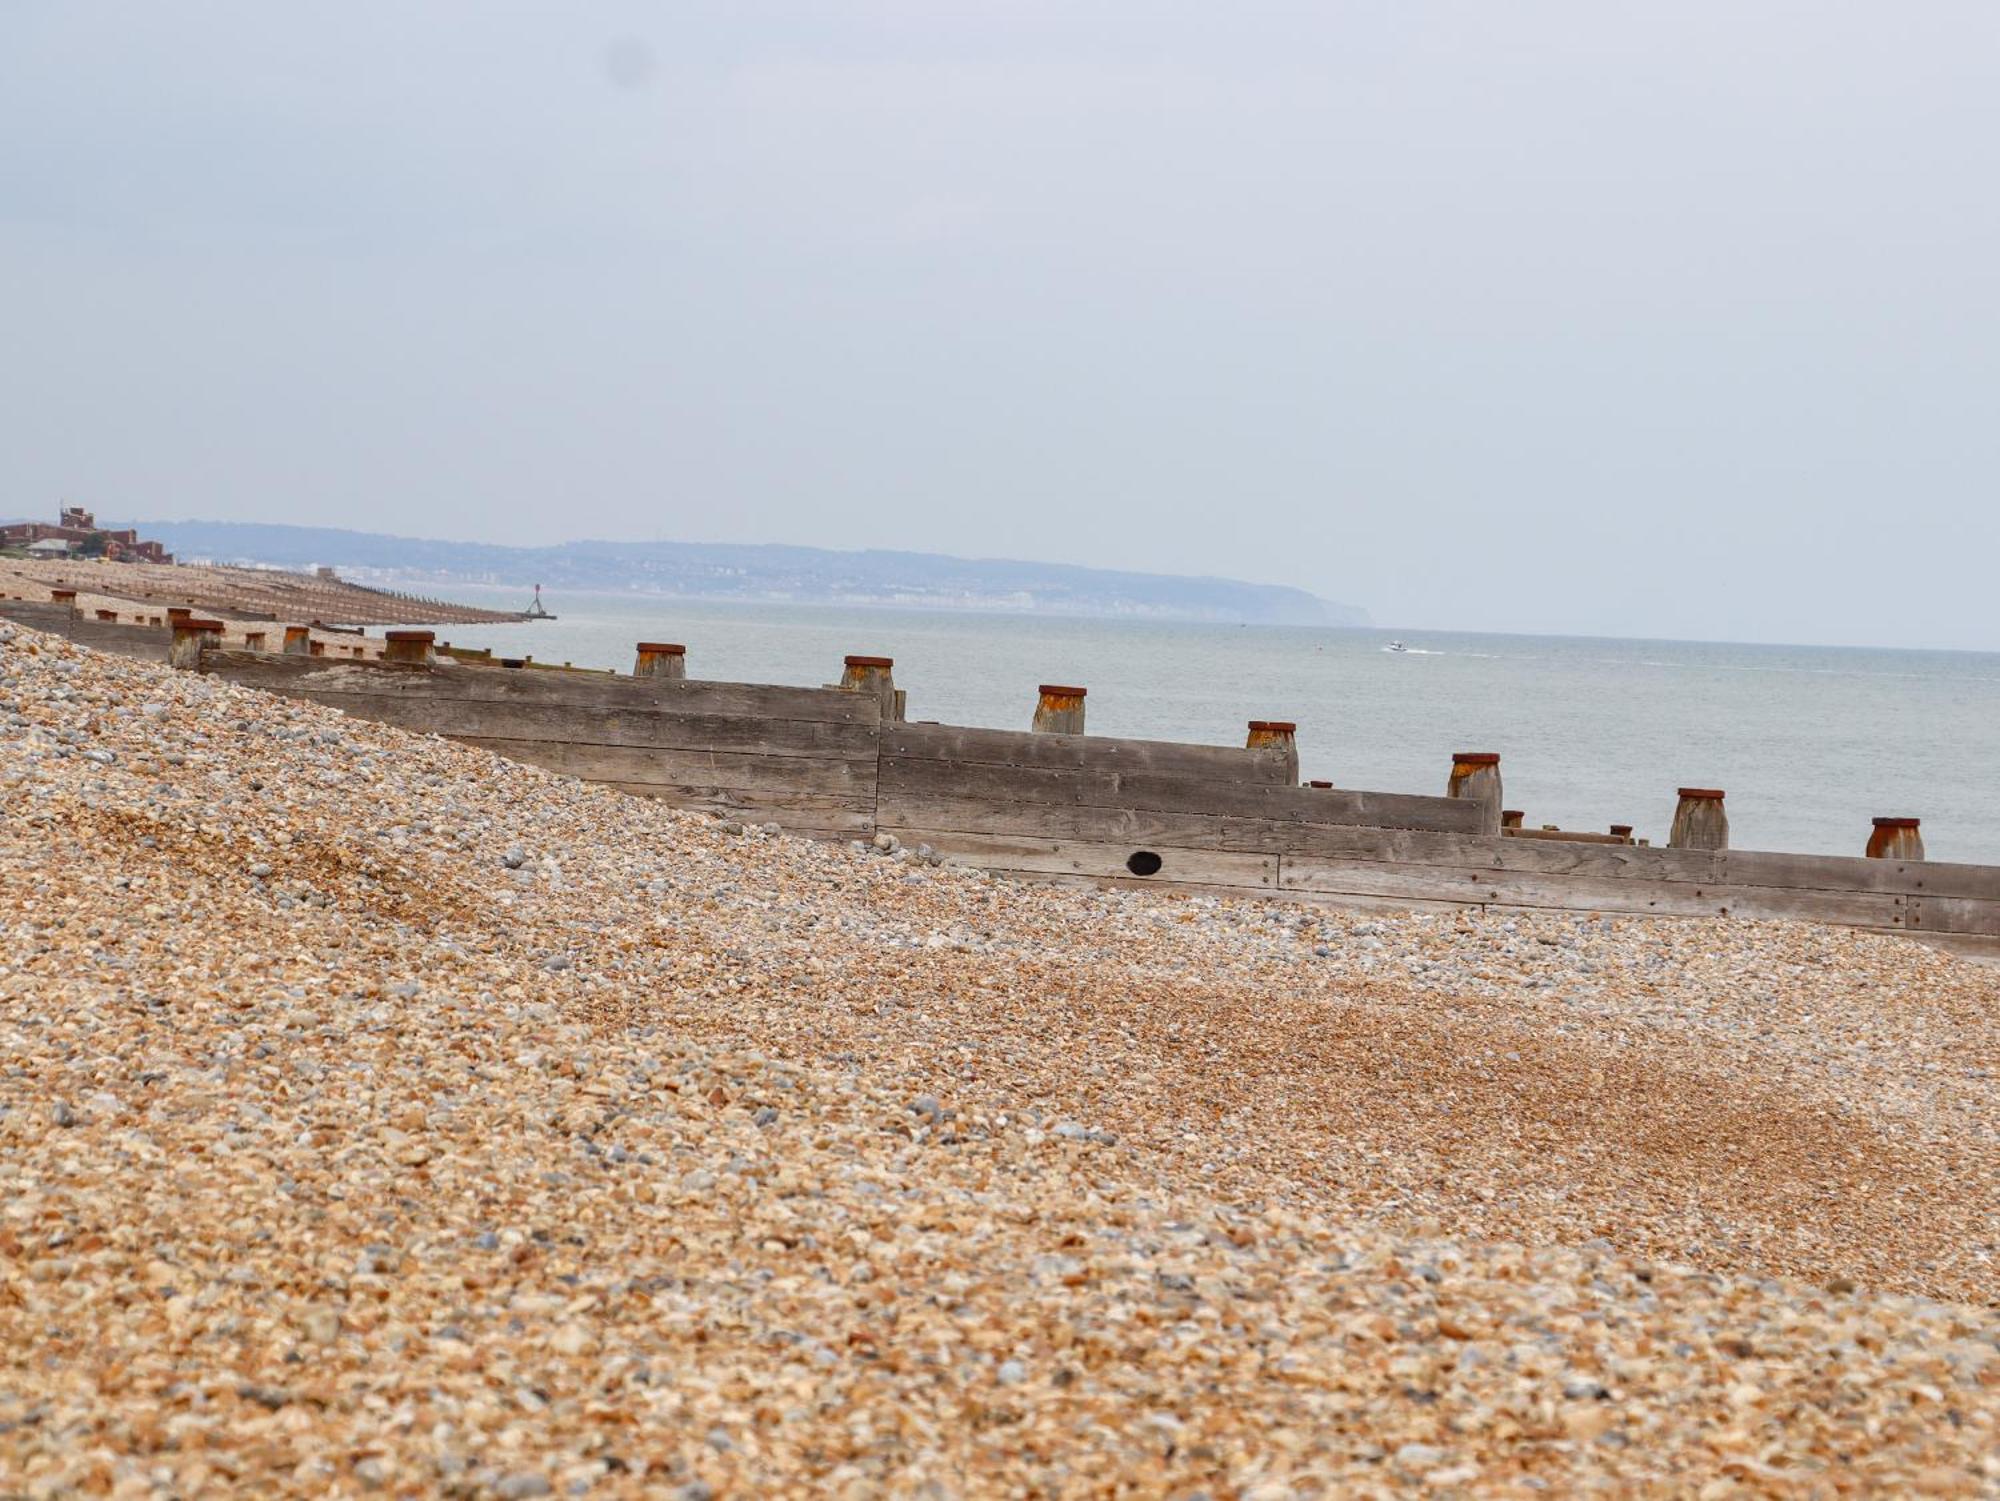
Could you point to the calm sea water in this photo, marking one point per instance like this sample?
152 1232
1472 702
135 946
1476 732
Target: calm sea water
1810 742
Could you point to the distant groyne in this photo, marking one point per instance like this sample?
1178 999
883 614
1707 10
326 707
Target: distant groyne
142 593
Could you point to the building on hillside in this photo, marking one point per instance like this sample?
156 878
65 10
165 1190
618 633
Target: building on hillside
76 526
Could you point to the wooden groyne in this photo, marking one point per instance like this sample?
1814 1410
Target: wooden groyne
146 589
1049 803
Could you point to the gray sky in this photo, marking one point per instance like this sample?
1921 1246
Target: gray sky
1668 320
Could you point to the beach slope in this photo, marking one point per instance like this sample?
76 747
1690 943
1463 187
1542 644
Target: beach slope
377 1115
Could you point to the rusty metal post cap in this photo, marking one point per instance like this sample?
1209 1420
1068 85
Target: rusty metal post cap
1621 828
1058 690
670 648
197 625
1323 785
870 661
424 636
1898 823
1703 794
1476 758
1278 726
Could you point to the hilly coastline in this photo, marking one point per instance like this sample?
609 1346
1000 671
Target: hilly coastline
731 571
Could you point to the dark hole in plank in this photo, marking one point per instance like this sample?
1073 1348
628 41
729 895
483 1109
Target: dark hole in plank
1143 863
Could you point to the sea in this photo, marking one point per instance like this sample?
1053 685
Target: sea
1809 742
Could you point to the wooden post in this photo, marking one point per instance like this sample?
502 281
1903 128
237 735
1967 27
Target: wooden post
253 640
1623 831
298 640
316 648
408 646
1896 839
177 613
66 597
1279 732
1510 818
1059 710
660 659
1700 822
1476 775
1323 786
191 638
108 616
875 676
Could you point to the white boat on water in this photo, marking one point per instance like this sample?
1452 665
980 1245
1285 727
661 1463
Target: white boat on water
1395 646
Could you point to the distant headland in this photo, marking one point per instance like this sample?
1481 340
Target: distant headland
806 575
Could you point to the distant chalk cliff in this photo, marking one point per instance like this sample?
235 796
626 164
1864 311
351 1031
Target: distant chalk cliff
806 575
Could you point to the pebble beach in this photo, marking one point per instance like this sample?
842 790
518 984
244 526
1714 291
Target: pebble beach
380 1117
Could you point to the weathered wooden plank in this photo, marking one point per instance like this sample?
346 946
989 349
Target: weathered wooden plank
1500 853
1566 836
1957 914
1153 887
40 614
1086 858
1576 893
1854 873
1485 887
147 643
1859 909
500 685
852 778
1228 763
1146 791
470 719
1134 828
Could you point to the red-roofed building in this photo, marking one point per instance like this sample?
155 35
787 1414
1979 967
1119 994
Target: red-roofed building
77 526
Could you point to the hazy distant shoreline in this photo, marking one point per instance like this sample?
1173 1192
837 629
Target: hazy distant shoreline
763 573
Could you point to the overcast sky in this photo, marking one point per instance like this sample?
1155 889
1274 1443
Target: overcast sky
1678 319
